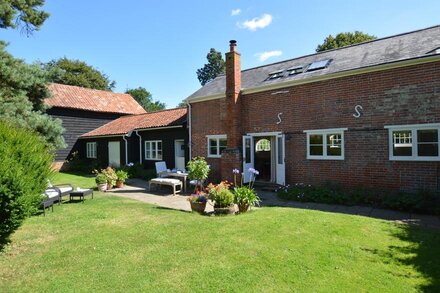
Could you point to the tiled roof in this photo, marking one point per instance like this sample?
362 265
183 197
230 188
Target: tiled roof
75 97
125 124
406 46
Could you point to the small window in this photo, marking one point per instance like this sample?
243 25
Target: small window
414 142
91 150
319 65
153 150
296 70
263 145
216 144
276 74
326 144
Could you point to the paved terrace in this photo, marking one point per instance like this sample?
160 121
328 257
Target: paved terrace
138 190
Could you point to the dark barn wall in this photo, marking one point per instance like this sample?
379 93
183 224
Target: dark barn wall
167 136
101 149
76 123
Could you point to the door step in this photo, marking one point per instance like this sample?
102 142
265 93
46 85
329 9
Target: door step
266 186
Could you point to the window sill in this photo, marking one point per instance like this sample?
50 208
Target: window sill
214 156
416 159
153 159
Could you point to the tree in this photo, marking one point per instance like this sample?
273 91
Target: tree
182 105
22 93
214 67
344 39
22 12
79 73
145 99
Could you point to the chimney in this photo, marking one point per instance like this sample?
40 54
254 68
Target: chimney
233 87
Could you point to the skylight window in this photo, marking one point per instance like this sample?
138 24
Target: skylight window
296 70
276 74
435 51
319 65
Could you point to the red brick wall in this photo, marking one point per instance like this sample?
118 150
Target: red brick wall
409 95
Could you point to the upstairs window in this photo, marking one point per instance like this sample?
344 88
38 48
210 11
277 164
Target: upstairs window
418 142
325 144
216 144
91 150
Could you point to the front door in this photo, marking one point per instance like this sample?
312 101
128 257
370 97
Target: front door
179 154
248 157
114 153
280 160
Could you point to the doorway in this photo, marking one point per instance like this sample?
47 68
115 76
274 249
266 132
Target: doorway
263 158
114 153
179 154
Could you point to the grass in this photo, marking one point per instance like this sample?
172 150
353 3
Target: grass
115 244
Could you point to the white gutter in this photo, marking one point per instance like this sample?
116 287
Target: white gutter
159 128
189 129
126 146
140 146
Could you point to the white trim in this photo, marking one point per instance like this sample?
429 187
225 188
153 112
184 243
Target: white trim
217 137
189 132
140 146
345 73
324 133
413 128
159 128
156 157
91 150
273 133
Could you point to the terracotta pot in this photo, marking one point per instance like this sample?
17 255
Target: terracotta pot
198 207
119 183
224 211
243 208
102 187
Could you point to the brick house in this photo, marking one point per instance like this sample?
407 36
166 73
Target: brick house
82 110
363 115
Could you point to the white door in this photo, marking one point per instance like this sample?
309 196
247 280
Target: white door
280 160
114 153
179 154
248 157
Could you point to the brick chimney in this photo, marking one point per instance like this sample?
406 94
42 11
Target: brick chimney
231 156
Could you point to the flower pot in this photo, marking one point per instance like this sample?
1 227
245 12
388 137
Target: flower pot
243 208
109 186
224 211
119 183
198 207
102 187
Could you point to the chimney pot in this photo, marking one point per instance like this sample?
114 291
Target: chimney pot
232 45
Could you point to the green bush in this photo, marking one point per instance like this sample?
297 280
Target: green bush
24 171
221 195
244 195
138 171
421 202
86 166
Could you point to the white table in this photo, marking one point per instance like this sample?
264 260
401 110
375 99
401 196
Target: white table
180 175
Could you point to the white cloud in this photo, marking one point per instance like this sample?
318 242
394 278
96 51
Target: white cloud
269 54
235 12
257 22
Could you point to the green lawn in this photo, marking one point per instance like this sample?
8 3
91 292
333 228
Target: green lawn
114 244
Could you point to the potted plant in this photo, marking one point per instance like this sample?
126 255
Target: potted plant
198 202
122 176
222 197
198 170
245 196
110 174
101 182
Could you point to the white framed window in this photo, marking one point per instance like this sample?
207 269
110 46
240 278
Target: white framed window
153 150
91 150
216 144
325 144
416 142
263 145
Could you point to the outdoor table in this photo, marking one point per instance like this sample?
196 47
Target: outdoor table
81 193
180 175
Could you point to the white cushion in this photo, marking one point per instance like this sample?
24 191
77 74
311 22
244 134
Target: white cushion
165 180
51 193
66 189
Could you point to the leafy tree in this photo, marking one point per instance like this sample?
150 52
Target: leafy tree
22 92
24 170
344 39
22 12
214 67
145 99
79 73
182 104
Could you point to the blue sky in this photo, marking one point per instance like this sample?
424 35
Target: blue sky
160 44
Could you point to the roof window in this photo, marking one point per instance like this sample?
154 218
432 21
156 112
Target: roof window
319 64
276 74
435 51
296 69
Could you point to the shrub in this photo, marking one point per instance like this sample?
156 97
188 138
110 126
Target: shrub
122 175
198 169
100 179
24 171
221 195
244 195
76 164
138 171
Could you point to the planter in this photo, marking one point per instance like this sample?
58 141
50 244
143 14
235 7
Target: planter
198 207
224 211
102 187
243 208
119 183
109 186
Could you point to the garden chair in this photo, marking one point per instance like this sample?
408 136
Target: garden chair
160 168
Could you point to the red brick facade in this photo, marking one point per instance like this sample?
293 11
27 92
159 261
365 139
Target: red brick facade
406 95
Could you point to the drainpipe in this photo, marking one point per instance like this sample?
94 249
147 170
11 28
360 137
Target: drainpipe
189 129
124 137
140 147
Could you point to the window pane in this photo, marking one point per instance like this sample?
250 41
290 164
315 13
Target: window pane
212 142
402 143
428 150
316 150
159 145
428 135
316 139
334 144
147 146
153 146
213 151
334 151
427 142
222 145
